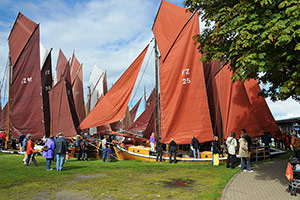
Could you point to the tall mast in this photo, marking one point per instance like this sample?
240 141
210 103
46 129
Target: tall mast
8 104
156 91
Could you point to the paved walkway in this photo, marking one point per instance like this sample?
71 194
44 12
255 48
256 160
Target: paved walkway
267 182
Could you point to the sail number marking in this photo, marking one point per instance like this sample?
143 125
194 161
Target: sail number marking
26 80
186 80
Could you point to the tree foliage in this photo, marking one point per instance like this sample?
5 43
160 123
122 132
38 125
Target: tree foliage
260 39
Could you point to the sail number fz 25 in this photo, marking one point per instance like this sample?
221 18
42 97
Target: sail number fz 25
186 73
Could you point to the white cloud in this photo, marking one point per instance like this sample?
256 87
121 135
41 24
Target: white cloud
284 109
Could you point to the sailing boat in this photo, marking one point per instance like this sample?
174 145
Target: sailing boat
27 84
187 108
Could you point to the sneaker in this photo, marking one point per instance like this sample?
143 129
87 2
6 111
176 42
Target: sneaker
251 171
49 169
239 165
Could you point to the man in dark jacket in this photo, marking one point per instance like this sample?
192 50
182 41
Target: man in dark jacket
195 146
60 149
172 150
78 147
159 151
248 139
84 147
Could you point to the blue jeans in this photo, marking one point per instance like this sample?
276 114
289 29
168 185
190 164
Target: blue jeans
194 151
243 163
60 160
103 154
48 163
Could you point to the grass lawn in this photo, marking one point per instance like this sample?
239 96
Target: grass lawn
116 180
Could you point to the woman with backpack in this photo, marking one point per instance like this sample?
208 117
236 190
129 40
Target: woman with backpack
231 150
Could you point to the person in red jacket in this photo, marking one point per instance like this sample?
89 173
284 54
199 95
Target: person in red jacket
30 152
2 139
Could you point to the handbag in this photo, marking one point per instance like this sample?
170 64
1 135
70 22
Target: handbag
45 148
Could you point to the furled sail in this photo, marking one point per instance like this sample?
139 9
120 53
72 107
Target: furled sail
184 105
236 109
113 106
46 75
62 109
260 108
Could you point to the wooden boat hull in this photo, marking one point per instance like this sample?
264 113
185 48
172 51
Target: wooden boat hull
124 154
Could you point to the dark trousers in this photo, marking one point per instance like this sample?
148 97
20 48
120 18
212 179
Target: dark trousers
298 154
79 152
84 155
172 154
231 161
159 155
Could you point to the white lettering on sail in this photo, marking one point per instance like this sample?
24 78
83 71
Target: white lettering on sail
26 80
47 88
186 73
47 72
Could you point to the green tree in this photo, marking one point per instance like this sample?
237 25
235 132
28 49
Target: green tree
259 38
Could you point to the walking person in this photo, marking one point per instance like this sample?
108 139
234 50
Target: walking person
48 153
159 151
152 142
231 150
84 145
24 148
78 147
195 144
172 150
30 152
108 153
104 141
244 154
60 149
216 151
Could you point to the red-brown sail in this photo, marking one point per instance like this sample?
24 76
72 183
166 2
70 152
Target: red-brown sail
74 67
113 106
46 74
3 120
236 109
142 121
169 22
184 105
19 36
26 114
61 65
78 95
133 111
260 108
61 109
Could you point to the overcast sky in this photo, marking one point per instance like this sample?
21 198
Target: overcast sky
108 33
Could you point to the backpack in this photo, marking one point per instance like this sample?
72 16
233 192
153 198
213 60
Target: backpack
82 145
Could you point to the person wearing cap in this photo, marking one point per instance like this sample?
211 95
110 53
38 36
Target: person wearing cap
60 149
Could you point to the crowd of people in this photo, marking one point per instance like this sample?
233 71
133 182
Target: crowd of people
58 148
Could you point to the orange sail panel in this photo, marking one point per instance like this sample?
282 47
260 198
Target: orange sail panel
61 110
169 22
236 109
260 108
113 106
61 65
184 105
19 36
26 114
